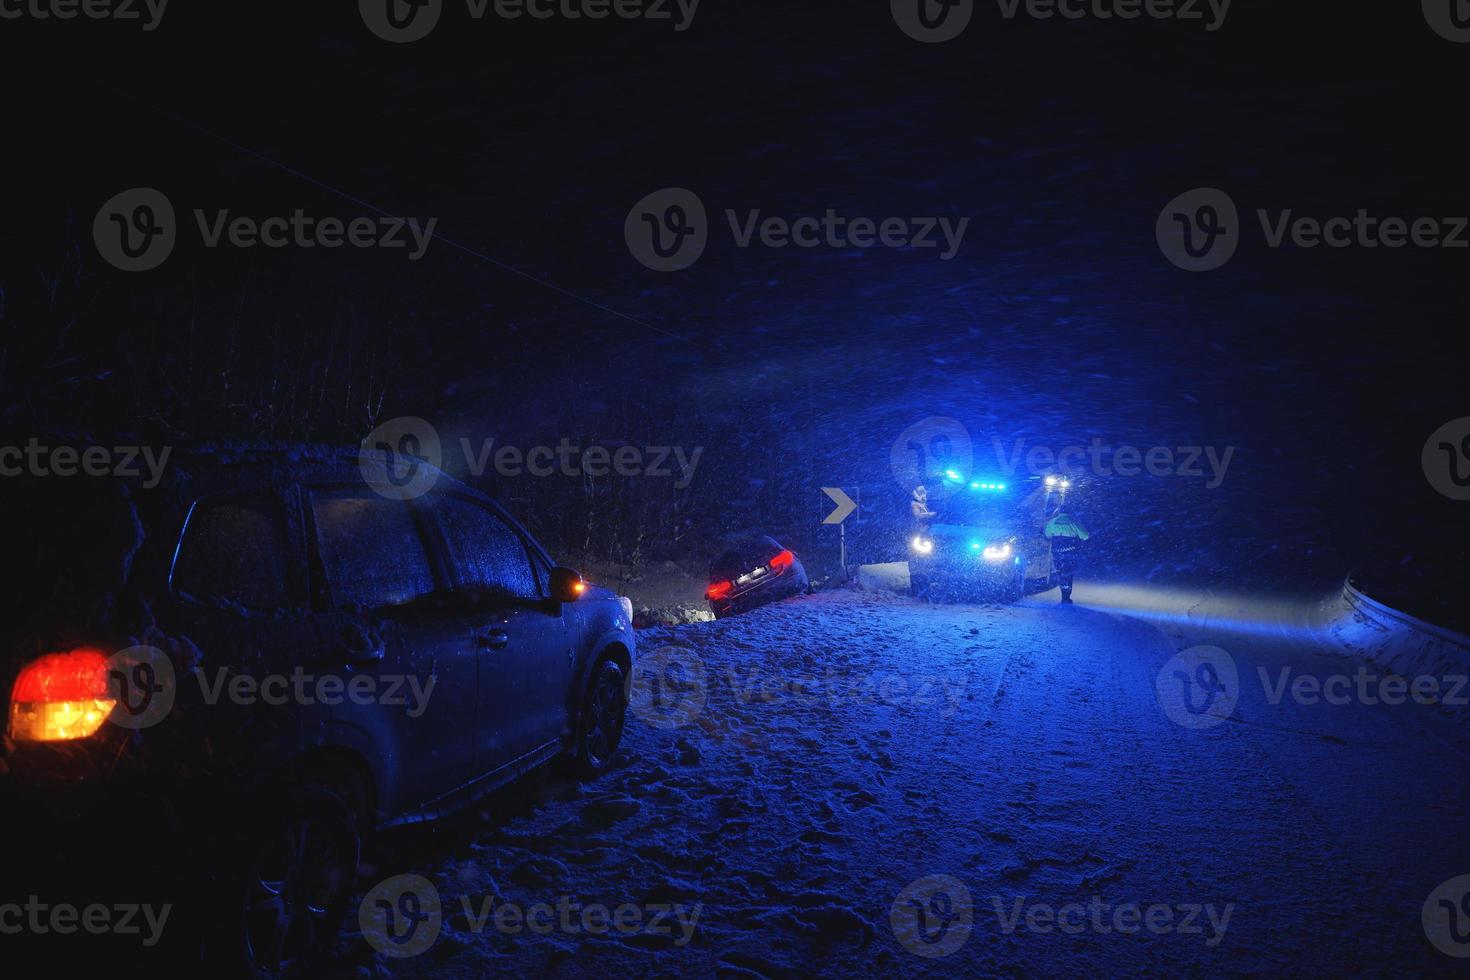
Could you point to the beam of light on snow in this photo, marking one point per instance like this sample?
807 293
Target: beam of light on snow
1256 614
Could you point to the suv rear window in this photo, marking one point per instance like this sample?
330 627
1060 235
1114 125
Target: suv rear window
236 549
371 549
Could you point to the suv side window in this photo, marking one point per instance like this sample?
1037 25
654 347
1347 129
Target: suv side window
236 549
486 551
371 549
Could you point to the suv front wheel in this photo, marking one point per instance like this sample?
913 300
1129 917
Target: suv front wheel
601 719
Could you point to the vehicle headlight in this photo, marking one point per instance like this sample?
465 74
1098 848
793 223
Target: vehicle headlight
922 545
998 552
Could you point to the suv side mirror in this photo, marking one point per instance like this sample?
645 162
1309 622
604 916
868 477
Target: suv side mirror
567 584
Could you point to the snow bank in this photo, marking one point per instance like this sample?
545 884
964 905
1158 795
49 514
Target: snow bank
890 576
662 593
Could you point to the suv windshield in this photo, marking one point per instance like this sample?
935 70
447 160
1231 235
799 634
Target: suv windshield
967 510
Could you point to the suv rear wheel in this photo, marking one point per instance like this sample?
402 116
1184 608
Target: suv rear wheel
293 883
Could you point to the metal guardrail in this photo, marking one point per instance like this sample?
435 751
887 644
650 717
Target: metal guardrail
1374 609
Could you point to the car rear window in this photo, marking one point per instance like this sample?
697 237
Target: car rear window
487 552
371 549
740 555
236 549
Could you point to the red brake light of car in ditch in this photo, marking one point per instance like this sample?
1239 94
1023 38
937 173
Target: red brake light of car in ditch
61 696
782 561
719 590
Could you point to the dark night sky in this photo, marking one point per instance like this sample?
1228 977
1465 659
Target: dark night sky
1058 321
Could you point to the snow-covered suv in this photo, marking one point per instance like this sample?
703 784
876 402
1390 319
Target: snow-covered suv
268 651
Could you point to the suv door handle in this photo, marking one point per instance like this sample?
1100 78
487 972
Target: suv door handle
495 639
359 646
364 658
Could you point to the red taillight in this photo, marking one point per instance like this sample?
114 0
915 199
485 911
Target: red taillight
782 561
74 676
60 696
719 590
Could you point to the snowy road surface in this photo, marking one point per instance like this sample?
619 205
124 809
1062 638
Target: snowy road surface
791 809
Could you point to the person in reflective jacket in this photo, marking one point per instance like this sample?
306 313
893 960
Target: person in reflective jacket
920 508
1066 535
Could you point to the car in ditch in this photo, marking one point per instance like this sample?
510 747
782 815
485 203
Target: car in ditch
753 569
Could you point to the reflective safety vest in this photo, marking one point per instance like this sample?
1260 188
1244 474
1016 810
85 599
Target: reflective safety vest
1065 526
